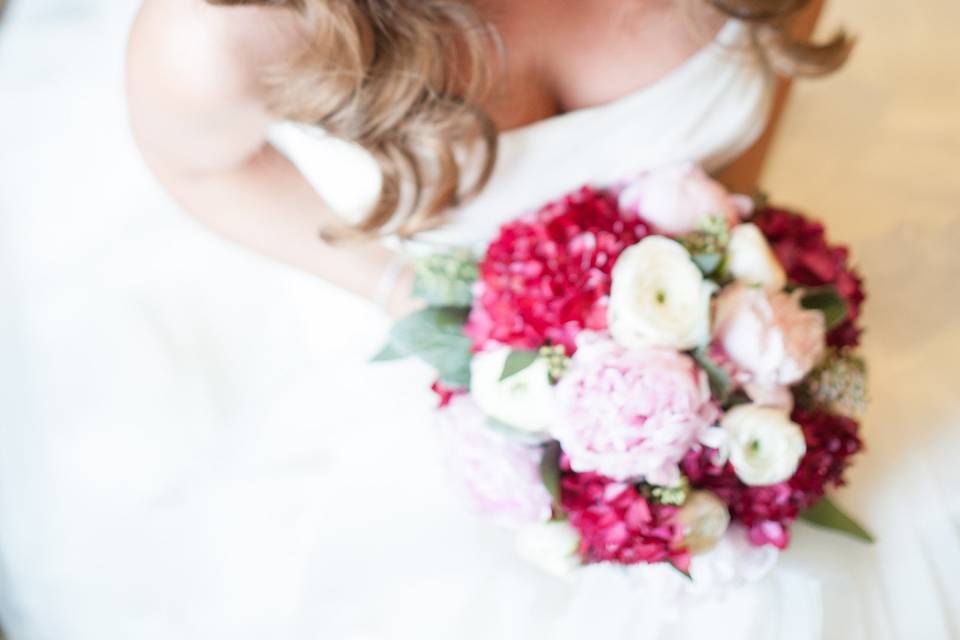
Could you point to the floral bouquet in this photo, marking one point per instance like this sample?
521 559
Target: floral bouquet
646 373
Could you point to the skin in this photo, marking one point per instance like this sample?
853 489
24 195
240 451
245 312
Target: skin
199 116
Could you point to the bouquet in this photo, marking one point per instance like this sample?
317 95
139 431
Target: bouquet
646 374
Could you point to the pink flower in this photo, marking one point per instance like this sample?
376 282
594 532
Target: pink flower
500 476
676 199
801 246
547 276
631 413
770 338
617 524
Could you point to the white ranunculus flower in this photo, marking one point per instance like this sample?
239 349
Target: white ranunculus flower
659 298
704 518
765 446
550 547
751 260
524 401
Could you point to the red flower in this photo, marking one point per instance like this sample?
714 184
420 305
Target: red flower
547 276
617 524
801 246
445 394
768 511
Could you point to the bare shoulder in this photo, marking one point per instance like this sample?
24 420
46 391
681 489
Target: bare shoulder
194 76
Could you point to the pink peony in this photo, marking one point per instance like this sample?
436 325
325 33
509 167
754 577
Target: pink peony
617 524
631 413
676 199
769 511
801 247
772 340
500 475
547 276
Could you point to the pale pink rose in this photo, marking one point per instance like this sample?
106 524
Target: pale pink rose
631 413
770 339
677 198
499 474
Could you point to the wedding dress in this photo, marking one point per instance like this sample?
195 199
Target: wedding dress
196 447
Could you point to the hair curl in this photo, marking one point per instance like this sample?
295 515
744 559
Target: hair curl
404 79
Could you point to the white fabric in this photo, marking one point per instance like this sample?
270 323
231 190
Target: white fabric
192 446
711 109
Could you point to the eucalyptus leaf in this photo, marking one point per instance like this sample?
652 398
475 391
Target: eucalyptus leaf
827 301
708 263
389 353
720 383
826 514
550 471
516 362
435 335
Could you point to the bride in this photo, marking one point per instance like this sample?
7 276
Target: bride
339 135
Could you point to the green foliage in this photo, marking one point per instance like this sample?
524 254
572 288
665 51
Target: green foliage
516 362
445 280
550 472
435 335
708 263
827 515
720 383
826 300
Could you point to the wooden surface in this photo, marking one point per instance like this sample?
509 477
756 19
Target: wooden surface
878 144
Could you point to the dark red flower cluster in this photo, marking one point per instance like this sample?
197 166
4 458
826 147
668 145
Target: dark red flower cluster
618 524
546 277
768 511
801 246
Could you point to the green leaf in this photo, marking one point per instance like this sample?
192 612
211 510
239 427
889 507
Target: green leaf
826 514
827 301
685 574
389 353
550 471
708 262
720 383
435 335
516 362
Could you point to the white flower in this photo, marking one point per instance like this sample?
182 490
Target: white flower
658 297
751 260
523 401
704 518
765 446
733 562
550 547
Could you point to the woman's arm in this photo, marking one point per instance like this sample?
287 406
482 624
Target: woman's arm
197 111
743 174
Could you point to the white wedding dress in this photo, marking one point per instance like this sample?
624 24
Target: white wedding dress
194 446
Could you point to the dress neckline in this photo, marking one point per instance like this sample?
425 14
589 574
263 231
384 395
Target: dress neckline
727 33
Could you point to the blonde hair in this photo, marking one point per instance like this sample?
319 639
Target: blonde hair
404 79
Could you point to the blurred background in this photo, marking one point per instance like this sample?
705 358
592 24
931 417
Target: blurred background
112 299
